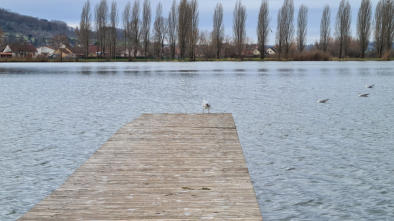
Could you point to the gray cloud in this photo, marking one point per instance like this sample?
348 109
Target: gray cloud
69 11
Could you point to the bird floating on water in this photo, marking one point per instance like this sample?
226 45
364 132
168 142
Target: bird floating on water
205 106
363 95
323 101
370 86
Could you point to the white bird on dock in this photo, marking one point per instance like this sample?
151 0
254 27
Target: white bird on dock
323 101
370 86
205 106
363 95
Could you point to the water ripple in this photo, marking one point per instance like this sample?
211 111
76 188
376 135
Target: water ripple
308 161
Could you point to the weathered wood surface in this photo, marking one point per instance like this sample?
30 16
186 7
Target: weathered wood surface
160 167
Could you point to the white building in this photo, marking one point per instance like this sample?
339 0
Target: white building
271 51
45 51
7 49
256 52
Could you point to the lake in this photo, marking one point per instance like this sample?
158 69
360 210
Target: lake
307 160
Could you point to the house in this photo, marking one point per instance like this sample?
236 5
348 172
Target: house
78 51
271 51
93 51
5 54
64 52
20 50
125 53
7 49
256 52
251 50
45 51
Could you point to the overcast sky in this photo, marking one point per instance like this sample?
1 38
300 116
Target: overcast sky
69 11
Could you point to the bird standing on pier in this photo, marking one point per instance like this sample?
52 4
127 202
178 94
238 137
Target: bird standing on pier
205 106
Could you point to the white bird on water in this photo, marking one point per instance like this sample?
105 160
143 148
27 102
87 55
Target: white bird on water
205 106
363 95
323 101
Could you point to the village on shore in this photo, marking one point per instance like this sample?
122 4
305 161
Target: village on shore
67 52
178 37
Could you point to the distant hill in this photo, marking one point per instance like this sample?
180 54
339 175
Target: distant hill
37 31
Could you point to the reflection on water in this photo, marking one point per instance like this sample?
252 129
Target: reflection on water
131 72
308 161
263 70
217 70
185 71
285 70
364 71
86 70
303 70
239 70
188 74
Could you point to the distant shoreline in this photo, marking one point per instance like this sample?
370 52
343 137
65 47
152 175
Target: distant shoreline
99 60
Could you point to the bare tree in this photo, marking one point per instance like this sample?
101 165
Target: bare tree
85 28
343 27
389 15
285 28
325 28
135 33
114 23
193 34
183 27
145 29
126 28
379 32
218 29
172 28
364 25
101 15
262 27
239 27
301 27
160 29
60 42
207 47
384 26
228 47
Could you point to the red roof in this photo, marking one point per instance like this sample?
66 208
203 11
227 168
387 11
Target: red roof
93 49
77 50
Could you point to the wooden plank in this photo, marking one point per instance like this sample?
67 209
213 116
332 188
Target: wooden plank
160 167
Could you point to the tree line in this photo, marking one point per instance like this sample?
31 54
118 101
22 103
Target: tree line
177 34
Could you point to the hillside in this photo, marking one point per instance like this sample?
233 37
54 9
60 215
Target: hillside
37 31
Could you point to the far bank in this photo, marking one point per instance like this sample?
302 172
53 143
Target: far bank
10 60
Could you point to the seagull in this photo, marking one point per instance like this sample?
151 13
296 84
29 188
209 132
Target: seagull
370 86
205 106
363 95
323 101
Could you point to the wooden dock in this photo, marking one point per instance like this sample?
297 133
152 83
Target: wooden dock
160 167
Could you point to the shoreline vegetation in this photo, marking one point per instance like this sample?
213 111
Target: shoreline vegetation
92 60
178 36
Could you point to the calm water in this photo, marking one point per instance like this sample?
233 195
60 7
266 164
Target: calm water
308 161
